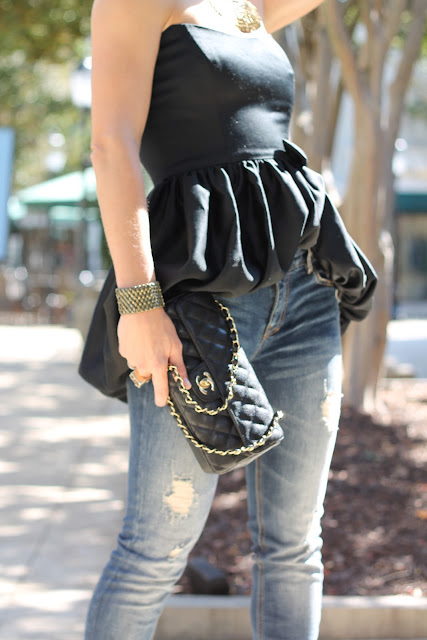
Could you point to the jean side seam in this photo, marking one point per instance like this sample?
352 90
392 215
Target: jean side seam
266 333
285 304
271 332
260 593
281 320
288 290
302 263
94 620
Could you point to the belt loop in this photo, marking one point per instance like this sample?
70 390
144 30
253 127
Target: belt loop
309 262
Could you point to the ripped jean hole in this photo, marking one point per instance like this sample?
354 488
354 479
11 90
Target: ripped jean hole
331 409
181 498
175 552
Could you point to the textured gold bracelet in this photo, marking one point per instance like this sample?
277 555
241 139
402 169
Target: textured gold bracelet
143 297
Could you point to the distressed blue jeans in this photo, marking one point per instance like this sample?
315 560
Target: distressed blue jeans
290 332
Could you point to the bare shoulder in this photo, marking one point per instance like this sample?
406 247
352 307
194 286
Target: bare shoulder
131 16
125 38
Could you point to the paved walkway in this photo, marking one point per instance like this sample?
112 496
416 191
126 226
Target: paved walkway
63 484
63 473
407 344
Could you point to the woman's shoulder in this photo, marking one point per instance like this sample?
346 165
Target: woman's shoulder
151 14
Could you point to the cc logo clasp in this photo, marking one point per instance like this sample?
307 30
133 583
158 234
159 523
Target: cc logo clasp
206 383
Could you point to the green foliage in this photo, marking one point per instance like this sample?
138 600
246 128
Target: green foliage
351 14
43 29
41 43
400 37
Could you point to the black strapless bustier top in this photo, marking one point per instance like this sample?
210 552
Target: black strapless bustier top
233 199
217 98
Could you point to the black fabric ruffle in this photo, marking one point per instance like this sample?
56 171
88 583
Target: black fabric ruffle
233 228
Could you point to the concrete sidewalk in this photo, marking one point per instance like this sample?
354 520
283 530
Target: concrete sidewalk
63 475
407 345
63 486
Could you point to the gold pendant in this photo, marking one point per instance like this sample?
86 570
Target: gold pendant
246 16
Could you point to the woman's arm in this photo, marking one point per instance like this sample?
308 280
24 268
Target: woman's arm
279 13
125 42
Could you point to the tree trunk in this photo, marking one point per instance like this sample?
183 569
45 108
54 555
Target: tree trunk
369 202
325 39
361 348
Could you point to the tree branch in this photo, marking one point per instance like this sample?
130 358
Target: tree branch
371 18
394 16
377 52
379 6
341 44
336 104
333 117
324 95
390 18
410 54
293 45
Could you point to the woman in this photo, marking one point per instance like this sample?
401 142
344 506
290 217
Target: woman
234 211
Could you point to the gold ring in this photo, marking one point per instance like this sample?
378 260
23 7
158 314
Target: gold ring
138 382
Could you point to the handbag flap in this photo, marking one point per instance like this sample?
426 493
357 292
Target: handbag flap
209 333
251 410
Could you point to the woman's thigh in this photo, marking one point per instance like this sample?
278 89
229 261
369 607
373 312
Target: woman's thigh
169 496
298 360
290 332
297 357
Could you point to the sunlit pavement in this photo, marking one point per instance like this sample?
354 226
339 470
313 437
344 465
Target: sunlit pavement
63 484
407 344
63 474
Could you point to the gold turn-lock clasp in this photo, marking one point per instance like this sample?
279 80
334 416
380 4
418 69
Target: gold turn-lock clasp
206 383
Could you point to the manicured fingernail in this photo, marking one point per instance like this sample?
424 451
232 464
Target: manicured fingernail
187 383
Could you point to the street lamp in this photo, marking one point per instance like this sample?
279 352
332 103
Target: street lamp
80 86
81 97
56 158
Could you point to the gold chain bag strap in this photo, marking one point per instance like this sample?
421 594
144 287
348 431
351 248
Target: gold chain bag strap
225 416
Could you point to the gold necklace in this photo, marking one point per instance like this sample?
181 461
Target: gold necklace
246 16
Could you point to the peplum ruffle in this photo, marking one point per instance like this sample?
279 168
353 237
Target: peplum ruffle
230 229
235 227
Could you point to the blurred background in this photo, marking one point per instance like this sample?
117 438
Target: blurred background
361 116
52 248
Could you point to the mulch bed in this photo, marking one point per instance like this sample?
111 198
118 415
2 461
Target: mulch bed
375 521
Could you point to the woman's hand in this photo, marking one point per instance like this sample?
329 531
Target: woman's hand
149 342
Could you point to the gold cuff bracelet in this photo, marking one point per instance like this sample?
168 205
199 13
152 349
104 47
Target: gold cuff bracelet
143 297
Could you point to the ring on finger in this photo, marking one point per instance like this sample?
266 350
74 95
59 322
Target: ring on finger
138 382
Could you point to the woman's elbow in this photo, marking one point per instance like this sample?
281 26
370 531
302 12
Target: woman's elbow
109 146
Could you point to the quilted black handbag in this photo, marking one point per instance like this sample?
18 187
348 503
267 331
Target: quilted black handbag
226 415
